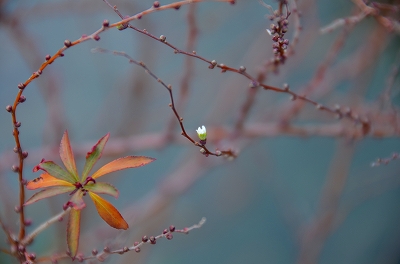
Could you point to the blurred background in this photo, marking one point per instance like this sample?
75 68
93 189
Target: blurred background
302 189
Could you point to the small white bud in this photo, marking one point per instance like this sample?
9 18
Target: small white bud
202 133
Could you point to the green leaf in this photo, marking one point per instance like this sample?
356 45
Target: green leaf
108 212
56 171
93 156
49 192
102 187
121 164
67 156
77 200
73 231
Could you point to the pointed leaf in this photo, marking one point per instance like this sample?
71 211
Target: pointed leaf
56 171
73 231
108 212
67 156
77 200
45 180
94 155
121 164
102 187
49 192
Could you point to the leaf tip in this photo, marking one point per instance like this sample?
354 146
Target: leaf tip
37 167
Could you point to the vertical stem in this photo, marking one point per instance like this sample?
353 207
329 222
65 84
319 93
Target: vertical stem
20 168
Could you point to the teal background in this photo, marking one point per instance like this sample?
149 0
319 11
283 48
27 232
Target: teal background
257 206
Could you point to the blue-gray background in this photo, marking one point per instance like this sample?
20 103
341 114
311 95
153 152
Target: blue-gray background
257 206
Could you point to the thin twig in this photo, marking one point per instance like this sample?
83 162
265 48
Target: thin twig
28 239
102 255
318 77
203 148
385 161
188 67
253 81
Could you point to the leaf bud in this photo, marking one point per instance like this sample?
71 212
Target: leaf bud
67 43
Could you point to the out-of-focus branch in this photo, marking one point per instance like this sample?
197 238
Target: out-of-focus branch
315 234
340 22
389 24
137 143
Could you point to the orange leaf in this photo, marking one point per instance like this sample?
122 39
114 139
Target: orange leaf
108 212
67 155
121 164
46 180
73 231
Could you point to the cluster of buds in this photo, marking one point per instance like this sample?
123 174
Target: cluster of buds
277 31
